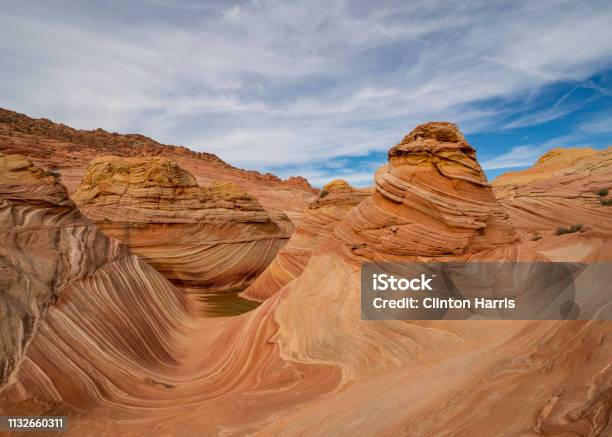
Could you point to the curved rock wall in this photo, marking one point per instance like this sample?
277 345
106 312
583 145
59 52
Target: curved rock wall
337 198
432 202
53 257
211 237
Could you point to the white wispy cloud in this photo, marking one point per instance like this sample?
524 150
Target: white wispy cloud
597 124
520 156
526 155
267 83
542 116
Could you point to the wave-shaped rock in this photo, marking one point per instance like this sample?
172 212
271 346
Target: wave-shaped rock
213 237
53 257
431 203
565 187
95 333
335 201
304 361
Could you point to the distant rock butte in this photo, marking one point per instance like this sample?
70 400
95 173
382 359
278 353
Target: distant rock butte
335 201
59 147
212 237
561 189
552 162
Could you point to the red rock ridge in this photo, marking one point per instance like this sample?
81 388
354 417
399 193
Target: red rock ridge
565 187
59 147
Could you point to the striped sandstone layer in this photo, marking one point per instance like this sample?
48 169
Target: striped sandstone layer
560 190
304 362
92 332
212 237
432 202
54 260
335 201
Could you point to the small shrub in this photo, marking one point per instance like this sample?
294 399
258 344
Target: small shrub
323 193
606 202
573 228
602 192
54 173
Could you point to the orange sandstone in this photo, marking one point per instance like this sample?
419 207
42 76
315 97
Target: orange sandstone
335 201
211 237
304 361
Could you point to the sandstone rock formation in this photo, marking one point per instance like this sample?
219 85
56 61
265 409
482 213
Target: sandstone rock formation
432 203
94 333
564 187
435 378
60 148
212 237
431 200
335 201
304 361
53 257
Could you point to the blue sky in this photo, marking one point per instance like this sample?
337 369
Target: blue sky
316 88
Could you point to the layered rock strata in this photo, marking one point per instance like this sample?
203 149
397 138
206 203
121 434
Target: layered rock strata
335 201
305 362
432 200
432 203
211 237
68 151
565 187
52 257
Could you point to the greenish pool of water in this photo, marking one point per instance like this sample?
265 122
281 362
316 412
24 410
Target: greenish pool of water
215 303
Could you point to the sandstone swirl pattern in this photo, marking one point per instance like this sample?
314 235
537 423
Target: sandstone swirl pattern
52 257
337 198
432 202
212 237
304 362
